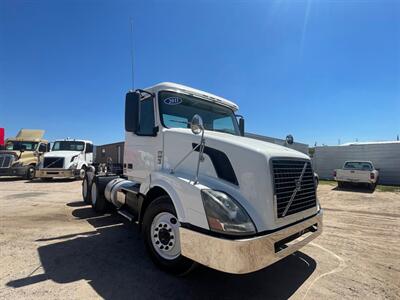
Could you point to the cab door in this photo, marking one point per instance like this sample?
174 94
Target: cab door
142 146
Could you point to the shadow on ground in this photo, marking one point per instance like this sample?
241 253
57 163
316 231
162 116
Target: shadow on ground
356 188
38 180
11 179
112 258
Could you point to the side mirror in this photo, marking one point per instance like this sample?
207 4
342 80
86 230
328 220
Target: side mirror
241 126
196 125
132 111
289 139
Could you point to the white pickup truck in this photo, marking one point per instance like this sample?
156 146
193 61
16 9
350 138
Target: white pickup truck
68 158
202 192
357 172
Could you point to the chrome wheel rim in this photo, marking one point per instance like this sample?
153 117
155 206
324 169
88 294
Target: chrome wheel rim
82 173
94 193
165 235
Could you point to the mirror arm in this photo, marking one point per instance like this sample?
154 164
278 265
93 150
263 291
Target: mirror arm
202 144
186 156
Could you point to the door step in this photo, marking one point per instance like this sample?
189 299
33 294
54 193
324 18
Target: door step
127 215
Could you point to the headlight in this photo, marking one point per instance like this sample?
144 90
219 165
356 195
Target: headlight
226 215
74 157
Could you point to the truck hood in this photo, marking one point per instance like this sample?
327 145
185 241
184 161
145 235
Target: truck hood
64 154
266 148
239 166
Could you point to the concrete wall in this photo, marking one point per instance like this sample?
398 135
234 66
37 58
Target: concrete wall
384 156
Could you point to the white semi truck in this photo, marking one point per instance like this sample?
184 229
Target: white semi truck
68 158
200 191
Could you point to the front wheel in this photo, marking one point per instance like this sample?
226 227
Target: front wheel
82 173
30 173
161 235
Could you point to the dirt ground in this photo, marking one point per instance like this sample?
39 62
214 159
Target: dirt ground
52 246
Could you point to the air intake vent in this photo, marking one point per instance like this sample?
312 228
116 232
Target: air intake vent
294 186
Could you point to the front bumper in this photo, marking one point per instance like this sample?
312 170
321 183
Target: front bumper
56 173
248 255
14 171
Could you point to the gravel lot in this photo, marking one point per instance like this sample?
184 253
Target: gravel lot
54 247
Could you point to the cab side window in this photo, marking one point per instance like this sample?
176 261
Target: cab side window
42 148
146 117
89 148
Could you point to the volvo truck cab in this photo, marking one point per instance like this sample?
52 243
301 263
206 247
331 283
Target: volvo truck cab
69 158
23 153
200 191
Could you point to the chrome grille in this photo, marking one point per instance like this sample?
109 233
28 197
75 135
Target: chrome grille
53 162
292 194
6 160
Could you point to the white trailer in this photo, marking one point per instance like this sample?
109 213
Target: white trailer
69 158
200 191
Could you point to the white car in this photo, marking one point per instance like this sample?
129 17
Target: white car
67 159
357 172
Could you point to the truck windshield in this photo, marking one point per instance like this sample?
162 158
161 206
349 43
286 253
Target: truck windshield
177 110
18 145
68 146
358 165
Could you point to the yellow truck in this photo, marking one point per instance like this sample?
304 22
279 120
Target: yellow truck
23 153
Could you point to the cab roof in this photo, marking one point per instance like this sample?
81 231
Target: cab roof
174 87
34 135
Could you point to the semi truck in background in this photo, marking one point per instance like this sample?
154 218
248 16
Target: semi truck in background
23 153
200 191
68 159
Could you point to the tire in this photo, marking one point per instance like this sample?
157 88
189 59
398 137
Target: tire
372 186
160 217
30 173
86 190
82 173
99 202
340 184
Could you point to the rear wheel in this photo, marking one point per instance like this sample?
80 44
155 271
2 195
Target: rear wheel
86 190
372 186
161 235
340 184
99 202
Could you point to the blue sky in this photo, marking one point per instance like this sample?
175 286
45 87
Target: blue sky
320 70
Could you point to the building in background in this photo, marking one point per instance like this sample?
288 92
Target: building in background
296 146
385 156
115 151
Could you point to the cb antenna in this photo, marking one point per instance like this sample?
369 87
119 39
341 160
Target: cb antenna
132 55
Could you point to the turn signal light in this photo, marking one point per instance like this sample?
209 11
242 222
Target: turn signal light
334 173
372 176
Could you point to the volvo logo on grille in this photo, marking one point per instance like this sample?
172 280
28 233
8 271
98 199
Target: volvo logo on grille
296 189
298 184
